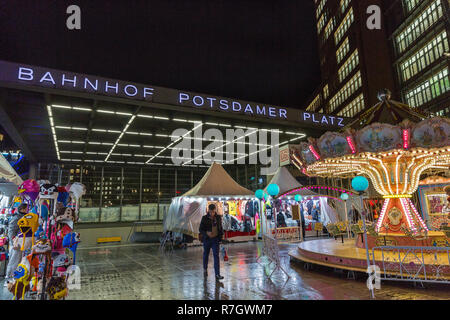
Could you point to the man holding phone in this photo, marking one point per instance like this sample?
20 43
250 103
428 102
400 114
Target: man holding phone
211 233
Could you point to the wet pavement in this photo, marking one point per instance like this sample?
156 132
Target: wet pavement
139 272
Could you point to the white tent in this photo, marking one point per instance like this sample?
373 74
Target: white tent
185 212
217 182
7 172
284 179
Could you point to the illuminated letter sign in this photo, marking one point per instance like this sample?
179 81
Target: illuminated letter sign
322 119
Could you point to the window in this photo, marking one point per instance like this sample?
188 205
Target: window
345 24
409 5
320 8
432 88
425 19
329 28
350 87
343 50
344 5
321 23
314 104
325 92
349 66
425 56
353 108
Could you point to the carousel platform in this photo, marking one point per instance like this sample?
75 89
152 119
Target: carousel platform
347 256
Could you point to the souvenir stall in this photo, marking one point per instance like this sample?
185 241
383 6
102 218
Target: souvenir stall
236 204
392 146
46 238
314 207
434 201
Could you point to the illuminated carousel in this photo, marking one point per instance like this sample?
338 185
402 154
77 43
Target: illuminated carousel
392 146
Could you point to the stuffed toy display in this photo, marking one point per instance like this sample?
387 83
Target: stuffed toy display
57 288
29 190
22 277
28 225
71 241
45 237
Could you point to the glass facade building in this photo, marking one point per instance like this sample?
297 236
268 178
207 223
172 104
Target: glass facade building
128 194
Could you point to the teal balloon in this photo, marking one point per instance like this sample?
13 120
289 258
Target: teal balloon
259 194
298 198
266 197
273 189
344 196
359 183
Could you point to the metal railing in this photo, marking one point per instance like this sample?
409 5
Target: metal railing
415 264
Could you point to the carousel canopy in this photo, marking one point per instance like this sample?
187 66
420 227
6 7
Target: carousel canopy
386 111
217 182
284 179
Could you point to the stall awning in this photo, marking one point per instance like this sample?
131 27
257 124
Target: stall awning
284 179
8 173
217 182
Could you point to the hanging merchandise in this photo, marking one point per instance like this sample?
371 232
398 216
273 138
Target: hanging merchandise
46 231
232 208
60 264
57 288
22 277
29 191
63 196
28 225
71 241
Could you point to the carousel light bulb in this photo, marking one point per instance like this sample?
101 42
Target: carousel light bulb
314 152
382 214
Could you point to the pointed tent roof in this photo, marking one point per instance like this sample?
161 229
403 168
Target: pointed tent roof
386 111
284 179
217 182
8 173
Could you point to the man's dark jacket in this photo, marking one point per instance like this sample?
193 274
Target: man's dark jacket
206 225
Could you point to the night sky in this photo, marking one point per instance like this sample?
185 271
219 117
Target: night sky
263 51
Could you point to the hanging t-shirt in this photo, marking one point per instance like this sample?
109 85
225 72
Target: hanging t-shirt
232 208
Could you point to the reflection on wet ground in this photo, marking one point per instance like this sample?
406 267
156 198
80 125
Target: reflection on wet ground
140 272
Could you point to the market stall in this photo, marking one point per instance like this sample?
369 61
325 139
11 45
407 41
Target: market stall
236 204
314 207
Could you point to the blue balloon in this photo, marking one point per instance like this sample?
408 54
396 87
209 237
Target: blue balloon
344 196
273 189
359 183
259 194
298 198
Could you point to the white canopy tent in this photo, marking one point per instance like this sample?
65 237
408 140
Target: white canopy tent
284 179
186 211
8 173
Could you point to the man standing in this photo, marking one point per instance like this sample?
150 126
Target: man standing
211 232
15 256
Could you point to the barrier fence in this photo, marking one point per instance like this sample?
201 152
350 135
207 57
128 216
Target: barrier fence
289 234
416 264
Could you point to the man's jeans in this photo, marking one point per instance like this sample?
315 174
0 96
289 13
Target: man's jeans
213 244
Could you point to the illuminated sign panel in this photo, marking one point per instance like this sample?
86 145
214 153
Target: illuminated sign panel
38 77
